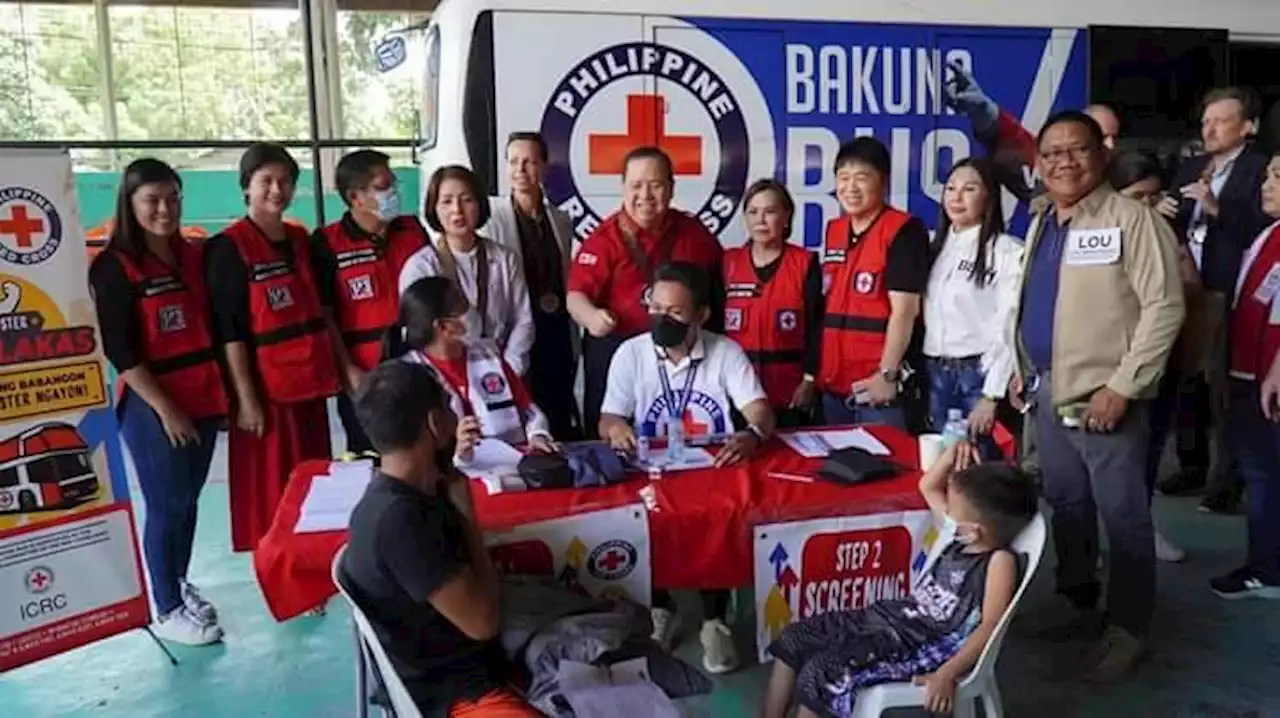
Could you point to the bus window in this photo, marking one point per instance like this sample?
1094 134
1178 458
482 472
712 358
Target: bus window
430 115
8 477
52 469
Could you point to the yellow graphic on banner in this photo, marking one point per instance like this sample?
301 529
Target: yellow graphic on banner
51 390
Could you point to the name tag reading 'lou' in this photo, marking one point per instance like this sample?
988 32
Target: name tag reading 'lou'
1087 247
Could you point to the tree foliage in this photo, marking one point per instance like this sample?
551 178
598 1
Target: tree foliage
189 74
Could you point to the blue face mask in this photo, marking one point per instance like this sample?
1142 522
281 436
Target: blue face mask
388 203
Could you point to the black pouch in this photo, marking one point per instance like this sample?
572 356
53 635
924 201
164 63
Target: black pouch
854 466
545 471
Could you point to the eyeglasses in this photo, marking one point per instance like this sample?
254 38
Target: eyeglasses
1056 156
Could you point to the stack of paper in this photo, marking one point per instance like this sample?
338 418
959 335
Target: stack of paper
332 497
496 464
818 444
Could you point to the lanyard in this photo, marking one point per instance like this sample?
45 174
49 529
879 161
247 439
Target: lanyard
677 412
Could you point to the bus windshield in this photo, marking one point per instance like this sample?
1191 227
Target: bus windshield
53 469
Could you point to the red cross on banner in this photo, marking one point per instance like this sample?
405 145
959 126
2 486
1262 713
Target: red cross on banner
22 227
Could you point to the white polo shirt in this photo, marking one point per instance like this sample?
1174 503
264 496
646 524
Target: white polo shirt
723 379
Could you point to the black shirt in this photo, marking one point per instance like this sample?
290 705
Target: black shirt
228 281
814 306
907 264
543 265
116 303
403 546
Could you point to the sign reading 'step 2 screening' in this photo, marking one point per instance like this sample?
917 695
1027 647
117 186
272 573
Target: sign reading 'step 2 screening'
69 568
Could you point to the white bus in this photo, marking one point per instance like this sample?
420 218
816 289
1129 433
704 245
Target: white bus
45 467
739 90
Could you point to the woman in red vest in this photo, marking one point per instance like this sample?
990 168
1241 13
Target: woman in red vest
153 312
1254 413
277 344
773 303
614 268
356 262
875 266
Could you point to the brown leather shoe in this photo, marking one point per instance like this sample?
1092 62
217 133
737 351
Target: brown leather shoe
1115 656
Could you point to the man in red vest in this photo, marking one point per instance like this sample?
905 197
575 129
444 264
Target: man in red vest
875 265
356 262
1253 418
614 268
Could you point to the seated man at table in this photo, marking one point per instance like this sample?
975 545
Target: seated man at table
679 372
415 561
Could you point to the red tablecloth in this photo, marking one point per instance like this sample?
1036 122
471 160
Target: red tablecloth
700 535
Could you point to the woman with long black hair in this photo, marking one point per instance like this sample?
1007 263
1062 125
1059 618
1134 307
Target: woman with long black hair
488 396
149 289
973 284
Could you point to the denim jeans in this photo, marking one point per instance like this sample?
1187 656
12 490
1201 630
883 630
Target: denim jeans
957 384
1257 449
171 478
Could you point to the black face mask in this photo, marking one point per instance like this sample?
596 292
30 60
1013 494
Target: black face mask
667 331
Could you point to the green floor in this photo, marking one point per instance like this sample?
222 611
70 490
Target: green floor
1211 657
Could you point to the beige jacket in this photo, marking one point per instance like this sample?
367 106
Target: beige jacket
1119 310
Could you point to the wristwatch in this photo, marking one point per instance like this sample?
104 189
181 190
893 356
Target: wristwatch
890 375
759 433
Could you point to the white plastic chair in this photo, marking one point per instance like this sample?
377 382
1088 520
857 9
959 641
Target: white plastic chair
980 684
401 702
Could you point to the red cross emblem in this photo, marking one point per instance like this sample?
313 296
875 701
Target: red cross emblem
39 579
646 126
612 560
691 427
22 227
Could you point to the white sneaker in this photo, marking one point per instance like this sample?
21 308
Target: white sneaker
664 627
1166 551
719 655
196 604
180 626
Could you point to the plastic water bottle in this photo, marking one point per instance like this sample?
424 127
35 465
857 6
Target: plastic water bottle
642 447
675 441
956 429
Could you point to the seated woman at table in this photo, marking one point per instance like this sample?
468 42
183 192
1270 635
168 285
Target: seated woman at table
680 373
415 561
487 395
935 635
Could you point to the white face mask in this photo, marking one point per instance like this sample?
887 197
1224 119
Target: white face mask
960 533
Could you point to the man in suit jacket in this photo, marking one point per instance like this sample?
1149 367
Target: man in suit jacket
1217 211
542 237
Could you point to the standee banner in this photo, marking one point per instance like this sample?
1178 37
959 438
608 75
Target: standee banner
601 553
808 568
70 572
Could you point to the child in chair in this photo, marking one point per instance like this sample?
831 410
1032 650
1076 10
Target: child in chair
935 635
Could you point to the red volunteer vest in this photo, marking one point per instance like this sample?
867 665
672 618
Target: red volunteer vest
1255 338
173 314
366 297
291 343
767 319
857 305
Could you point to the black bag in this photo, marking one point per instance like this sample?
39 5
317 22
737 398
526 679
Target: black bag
545 471
854 466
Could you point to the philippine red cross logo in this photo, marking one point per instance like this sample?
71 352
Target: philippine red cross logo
39 579
652 86
30 228
493 383
612 560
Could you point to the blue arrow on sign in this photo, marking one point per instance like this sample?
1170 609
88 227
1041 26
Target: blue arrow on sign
778 558
391 52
